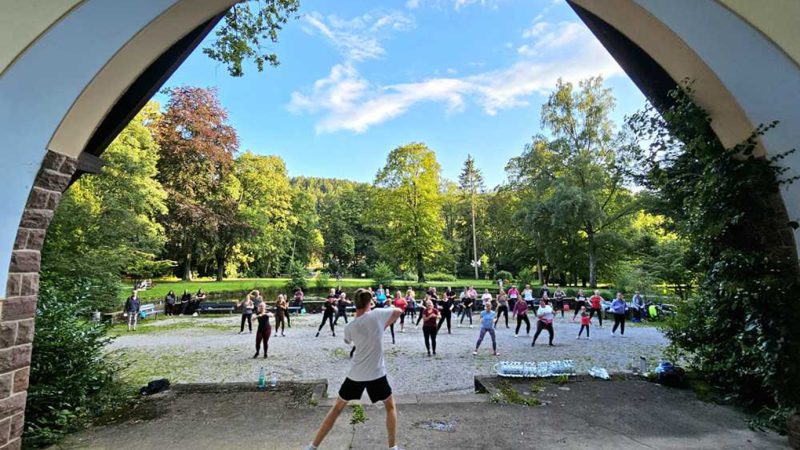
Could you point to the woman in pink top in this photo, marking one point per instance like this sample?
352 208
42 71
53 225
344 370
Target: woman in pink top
521 312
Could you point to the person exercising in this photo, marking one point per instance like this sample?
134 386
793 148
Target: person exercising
368 371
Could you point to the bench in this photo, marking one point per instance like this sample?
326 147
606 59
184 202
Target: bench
294 309
147 309
206 307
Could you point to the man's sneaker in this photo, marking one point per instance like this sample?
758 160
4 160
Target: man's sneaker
458 326
578 337
516 335
470 325
475 352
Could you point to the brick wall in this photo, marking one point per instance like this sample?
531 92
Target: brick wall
18 309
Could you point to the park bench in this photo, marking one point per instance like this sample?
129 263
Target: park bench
147 309
206 307
294 309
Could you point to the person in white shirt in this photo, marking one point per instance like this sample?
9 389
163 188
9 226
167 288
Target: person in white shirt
368 372
486 297
545 315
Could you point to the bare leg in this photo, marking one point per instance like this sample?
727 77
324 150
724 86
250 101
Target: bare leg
391 420
330 419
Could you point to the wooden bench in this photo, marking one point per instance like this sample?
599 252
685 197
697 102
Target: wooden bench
147 309
294 309
206 307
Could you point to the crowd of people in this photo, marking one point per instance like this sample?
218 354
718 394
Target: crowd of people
532 312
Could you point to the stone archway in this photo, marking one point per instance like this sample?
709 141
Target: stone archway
73 72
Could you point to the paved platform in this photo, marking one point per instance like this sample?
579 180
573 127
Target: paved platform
578 415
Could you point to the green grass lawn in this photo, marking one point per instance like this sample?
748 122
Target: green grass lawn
160 288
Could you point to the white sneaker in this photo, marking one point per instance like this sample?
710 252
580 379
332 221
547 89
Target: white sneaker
458 326
475 352
588 338
516 335
470 326
578 337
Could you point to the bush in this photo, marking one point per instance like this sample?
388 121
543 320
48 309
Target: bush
71 381
322 280
440 276
297 275
383 274
409 276
528 275
504 275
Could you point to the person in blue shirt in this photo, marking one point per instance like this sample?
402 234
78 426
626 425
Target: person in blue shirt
380 296
487 326
619 308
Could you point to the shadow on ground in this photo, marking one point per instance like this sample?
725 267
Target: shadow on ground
628 414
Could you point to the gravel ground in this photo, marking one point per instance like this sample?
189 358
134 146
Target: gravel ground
208 352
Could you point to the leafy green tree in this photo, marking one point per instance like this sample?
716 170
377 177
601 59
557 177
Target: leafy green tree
307 240
245 29
410 204
197 149
266 204
383 274
105 224
573 182
298 276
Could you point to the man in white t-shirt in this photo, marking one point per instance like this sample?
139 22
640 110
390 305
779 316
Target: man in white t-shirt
368 372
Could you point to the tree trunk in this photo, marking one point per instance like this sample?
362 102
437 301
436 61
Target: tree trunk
539 268
420 268
187 267
220 267
592 261
474 239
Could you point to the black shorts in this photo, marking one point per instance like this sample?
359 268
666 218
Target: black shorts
378 389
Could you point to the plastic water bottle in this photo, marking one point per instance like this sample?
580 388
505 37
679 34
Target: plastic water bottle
262 379
273 380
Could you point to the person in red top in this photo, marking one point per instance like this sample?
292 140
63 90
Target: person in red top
597 307
395 302
400 303
430 316
585 322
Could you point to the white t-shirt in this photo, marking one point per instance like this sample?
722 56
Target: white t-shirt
487 298
366 333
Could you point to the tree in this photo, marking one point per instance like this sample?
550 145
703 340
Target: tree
266 203
307 241
106 223
245 27
471 182
410 204
197 149
573 180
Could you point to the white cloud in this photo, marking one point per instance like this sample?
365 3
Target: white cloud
357 39
345 100
412 4
550 36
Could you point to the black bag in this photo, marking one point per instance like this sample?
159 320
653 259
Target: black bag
154 387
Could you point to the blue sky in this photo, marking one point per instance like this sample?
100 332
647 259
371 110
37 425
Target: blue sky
358 79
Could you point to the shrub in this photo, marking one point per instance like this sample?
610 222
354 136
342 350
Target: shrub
440 276
298 276
71 380
739 331
383 274
528 275
322 280
409 276
504 275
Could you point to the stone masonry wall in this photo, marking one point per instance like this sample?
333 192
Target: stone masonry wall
18 309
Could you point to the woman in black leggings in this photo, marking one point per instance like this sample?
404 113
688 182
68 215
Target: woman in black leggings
580 302
328 311
447 305
521 313
545 315
502 307
247 313
429 328
264 330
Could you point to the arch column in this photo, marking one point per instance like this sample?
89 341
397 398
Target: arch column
18 309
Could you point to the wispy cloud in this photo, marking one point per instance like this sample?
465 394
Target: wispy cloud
345 100
357 39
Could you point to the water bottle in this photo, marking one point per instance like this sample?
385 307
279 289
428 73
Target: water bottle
273 380
262 379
